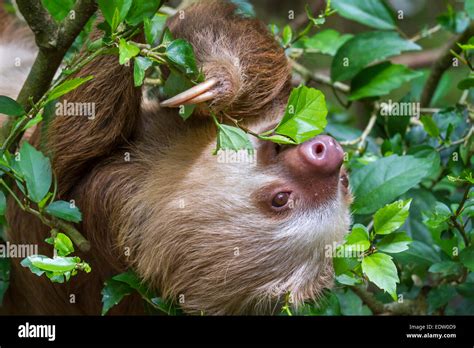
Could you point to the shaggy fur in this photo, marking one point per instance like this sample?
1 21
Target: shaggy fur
195 229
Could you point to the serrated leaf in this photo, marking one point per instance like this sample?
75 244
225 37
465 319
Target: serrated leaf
232 138
440 296
373 13
64 210
380 79
367 48
380 270
326 42
358 238
67 87
127 51
384 180
36 170
391 217
305 115
10 107
139 69
394 243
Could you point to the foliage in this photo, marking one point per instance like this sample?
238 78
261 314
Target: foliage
410 169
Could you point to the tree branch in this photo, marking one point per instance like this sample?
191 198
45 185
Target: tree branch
442 64
53 42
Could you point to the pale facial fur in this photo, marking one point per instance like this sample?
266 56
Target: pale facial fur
206 242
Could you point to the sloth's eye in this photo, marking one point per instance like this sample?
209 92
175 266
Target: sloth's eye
280 199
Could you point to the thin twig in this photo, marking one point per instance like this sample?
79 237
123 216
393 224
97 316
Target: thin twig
425 33
317 77
370 125
442 64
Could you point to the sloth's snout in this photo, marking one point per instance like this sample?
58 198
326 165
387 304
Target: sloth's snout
322 154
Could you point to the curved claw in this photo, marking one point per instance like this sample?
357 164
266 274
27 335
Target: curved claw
197 94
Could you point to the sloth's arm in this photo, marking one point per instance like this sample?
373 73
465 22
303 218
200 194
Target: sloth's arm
77 142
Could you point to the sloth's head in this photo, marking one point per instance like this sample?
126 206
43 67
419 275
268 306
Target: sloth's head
232 235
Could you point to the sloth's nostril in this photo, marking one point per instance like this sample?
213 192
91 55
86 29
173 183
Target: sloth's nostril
319 149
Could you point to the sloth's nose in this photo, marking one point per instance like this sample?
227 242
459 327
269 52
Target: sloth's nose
322 153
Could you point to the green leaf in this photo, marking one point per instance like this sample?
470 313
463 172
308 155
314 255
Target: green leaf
394 243
57 264
67 86
181 54
446 268
466 83
430 126
175 84
232 138
36 170
109 8
351 304
347 279
454 21
139 69
305 115
287 35
35 270
384 180
112 293
326 42
380 270
34 121
63 244
358 238
10 107
366 48
154 27
391 217
373 13
380 79
279 139
64 210
469 8
420 254
142 9
3 203
58 9
167 307
467 257
4 277
440 296
127 51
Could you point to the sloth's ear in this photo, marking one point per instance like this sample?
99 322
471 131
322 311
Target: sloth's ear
200 93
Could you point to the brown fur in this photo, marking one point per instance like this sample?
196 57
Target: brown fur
185 222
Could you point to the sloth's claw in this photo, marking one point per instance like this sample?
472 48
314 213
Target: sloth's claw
197 94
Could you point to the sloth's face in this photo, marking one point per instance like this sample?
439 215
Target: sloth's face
232 234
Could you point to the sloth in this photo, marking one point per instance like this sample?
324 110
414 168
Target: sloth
217 237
